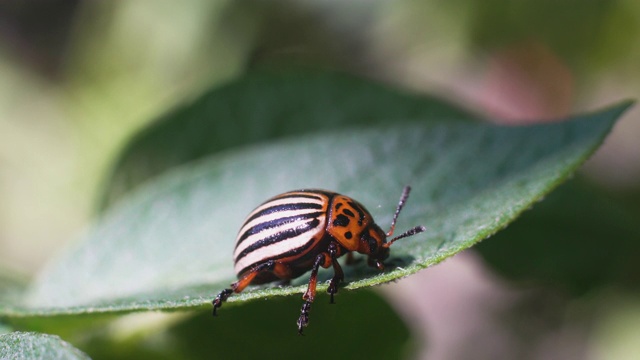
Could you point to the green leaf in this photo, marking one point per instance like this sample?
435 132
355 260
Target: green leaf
259 107
169 244
33 346
12 287
577 239
4 329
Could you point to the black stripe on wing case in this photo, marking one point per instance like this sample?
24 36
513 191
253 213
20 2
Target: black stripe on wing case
299 250
283 207
280 236
275 223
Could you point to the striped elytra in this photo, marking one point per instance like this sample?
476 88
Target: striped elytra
302 230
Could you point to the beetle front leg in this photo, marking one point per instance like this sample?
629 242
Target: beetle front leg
338 274
310 294
222 296
239 285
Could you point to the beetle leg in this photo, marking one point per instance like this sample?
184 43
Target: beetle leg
222 296
239 285
338 275
373 262
351 260
310 294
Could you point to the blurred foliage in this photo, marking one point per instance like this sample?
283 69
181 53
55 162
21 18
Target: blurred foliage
12 286
4 329
579 239
262 329
617 332
578 31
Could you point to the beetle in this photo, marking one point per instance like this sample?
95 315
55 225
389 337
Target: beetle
302 230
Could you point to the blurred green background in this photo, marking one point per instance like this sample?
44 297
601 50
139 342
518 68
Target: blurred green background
79 78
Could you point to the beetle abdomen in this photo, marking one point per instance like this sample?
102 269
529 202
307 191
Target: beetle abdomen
288 225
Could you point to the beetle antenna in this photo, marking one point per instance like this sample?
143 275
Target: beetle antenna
410 232
403 200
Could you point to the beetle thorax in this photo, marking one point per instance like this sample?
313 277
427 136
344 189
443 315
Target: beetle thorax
348 222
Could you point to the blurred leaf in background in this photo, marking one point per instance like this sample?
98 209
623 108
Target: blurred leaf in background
115 67
578 239
270 328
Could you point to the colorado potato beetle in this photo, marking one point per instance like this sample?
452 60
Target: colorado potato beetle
302 230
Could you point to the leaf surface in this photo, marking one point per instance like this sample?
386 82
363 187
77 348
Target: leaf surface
34 346
168 245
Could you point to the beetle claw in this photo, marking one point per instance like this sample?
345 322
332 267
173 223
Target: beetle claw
222 296
303 320
333 288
